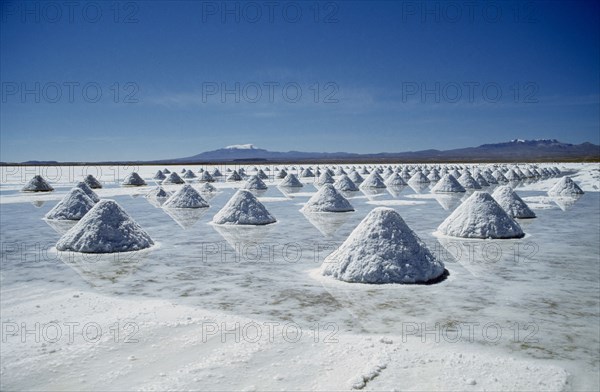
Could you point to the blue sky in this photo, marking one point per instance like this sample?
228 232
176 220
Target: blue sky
329 76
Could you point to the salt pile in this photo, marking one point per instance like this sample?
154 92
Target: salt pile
73 206
374 180
159 176
166 171
345 184
511 175
434 176
395 181
355 177
447 184
106 228
481 180
158 193
207 188
88 191
340 171
281 174
418 178
383 249
325 178
216 173
37 184
468 182
480 216
565 187
327 199
291 181
189 174
92 182
206 177
261 174
255 183
499 176
243 209
186 197
133 179
173 178
512 203
307 173
234 176
489 177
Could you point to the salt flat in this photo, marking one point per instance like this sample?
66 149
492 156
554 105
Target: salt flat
222 308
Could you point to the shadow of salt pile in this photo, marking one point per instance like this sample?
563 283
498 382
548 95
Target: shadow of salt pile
60 226
565 202
244 238
185 217
38 203
327 223
418 187
105 269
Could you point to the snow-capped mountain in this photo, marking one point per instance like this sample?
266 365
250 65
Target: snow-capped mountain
515 150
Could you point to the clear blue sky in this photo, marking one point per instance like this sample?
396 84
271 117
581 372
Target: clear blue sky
388 76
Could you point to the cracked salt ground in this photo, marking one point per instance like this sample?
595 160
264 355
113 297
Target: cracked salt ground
207 280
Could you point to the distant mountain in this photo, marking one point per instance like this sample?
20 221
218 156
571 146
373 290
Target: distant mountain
514 150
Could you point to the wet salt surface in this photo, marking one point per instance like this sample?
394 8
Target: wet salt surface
542 291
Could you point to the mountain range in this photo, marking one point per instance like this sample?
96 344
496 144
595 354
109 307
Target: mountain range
516 150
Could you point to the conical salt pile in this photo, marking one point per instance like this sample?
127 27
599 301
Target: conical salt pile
255 183
499 176
489 177
565 187
243 209
261 174
281 174
37 184
512 203
345 184
207 188
291 181
480 216
383 249
189 174
216 173
374 180
418 178
234 176
481 180
133 179
434 176
355 177
106 228
206 177
511 175
158 193
307 173
73 206
447 184
159 176
468 182
173 178
327 199
325 178
186 197
395 181
88 191
92 182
